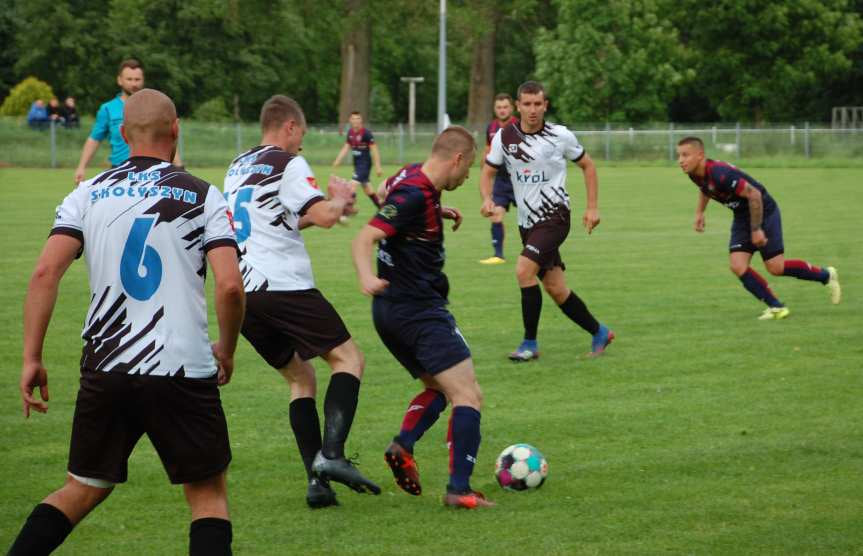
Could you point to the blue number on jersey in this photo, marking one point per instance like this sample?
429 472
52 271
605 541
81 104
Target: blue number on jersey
136 254
242 220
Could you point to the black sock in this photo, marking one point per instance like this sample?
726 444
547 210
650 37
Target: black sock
576 310
210 536
45 529
307 430
531 307
339 408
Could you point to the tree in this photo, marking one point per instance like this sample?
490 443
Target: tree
770 60
355 83
481 93
610 60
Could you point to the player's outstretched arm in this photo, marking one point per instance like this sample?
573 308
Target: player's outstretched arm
230 299
590 220
341 155
452 213
90 148
324 213
58 253
362 249
376 158
486 182
699 211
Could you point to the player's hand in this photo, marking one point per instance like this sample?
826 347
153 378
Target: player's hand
590 220
452 213
79 175
225 363
759 238
699 222
373 285
379 172
487 208
34 374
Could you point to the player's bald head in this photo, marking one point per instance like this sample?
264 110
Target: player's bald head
692 141
453 140
149 116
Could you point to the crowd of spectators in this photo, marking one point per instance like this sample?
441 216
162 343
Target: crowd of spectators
41 116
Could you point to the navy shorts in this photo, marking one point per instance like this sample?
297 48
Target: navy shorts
423 339
361 173
502 193
741 236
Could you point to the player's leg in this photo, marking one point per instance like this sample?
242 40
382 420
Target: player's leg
526 271
554 282
459 384
340 405
210 532
371 193
53 519
756 285
497 236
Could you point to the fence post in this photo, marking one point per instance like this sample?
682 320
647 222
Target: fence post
714 135
239 136
53 144
401 141
737 139
806 146
792 135
607 141
671 141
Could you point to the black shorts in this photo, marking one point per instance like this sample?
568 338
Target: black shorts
279 323
183 418
502 193
542 241
741 236
361 173
423 339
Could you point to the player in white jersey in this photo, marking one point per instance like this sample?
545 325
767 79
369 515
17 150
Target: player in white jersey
535 154
147 230
273 194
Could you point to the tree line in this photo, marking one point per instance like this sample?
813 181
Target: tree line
631 61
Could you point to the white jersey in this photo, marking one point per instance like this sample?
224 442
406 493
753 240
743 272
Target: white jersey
146 227
536 163
269 190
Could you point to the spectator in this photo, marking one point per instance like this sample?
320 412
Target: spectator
70 113
37 118
55 111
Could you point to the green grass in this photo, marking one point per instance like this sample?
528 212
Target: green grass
701 431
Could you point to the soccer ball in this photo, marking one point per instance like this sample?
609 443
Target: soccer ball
520 467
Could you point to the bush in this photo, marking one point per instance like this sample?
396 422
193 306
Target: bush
22 96
213 110
381 109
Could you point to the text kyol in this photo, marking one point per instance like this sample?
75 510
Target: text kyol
526 177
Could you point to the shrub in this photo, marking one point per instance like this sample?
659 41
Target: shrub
213 110
22 96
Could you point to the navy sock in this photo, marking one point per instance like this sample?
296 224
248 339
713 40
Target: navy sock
757 286
210 536
307 430
531 308
577 311
497 238
805 271
45 529
374 198
340 405
464 446
422 413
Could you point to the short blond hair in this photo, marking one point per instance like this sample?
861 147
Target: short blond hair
452 140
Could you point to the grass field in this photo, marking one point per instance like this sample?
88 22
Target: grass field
702 430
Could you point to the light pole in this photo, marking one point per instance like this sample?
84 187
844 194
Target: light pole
441 69
412 102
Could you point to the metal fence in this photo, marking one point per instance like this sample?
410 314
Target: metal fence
214 145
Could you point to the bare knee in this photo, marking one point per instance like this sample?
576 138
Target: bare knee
738 269
470 396
76 499
346 358
776 268
558 292
526 275
208 498
301 378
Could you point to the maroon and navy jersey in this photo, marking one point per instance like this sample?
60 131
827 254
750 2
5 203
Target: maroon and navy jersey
403 172
360 141
411 257
493 127
724 183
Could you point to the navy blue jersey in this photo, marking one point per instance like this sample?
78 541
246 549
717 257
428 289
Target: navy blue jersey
360 141
724 183
493 127
411 258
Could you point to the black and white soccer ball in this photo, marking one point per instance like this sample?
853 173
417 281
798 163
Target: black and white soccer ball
521 467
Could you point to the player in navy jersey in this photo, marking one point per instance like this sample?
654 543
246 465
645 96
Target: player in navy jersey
147 230
361 143
288 321
757 226
409 311
536 153
502 193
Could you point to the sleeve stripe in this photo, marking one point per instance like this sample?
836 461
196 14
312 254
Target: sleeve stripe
67 231
385 227
314 200
741 185
493 165
579 157
221 242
